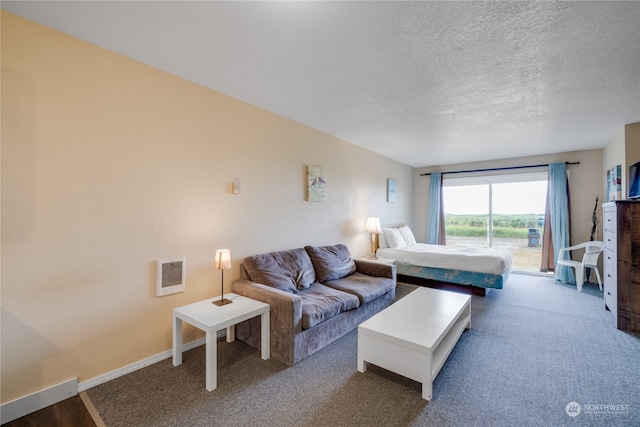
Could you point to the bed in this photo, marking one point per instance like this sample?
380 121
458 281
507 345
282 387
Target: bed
466 269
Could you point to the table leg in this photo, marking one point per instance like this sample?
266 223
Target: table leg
177 341
265 342
427 390
231 333
427 386
212 360
362 365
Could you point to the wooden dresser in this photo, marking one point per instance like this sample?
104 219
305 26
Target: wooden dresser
621 223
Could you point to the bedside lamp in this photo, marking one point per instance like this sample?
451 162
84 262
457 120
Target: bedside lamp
222 262
373 227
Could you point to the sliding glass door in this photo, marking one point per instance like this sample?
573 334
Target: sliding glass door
505 211
466 213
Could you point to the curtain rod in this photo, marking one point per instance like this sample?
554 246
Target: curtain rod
499 169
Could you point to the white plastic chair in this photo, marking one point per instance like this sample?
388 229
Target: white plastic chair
592 251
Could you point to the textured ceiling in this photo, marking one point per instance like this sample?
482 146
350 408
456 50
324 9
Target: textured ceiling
425 83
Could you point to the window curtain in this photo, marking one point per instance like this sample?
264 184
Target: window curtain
557 224
435 226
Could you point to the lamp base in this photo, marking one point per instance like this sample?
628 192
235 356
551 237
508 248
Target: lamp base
221 302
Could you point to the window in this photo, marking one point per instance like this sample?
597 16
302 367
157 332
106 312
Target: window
501 211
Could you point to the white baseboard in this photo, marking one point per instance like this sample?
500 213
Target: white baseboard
35 401
101 379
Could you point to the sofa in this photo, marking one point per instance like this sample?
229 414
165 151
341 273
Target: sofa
316 294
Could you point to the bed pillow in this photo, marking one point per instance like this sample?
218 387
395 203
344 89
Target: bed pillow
382 241
407 235
331 262
394 238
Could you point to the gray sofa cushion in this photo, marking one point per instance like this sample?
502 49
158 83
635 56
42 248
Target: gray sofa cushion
320 303
289 271
366 288
331 262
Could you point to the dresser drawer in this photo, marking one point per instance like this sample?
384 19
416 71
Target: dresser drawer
611 289
611 301
609 221
610 259
611 276
610 241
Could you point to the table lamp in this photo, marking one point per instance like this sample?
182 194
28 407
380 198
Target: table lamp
222 262
373 227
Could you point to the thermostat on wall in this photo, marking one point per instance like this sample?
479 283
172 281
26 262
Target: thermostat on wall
170 276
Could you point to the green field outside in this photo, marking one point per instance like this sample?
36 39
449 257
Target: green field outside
508 226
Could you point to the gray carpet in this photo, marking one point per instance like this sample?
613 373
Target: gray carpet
533 348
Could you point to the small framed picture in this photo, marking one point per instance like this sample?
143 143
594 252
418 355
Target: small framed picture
316 183
170 276
392 190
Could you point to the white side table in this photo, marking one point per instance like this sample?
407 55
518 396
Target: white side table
211 318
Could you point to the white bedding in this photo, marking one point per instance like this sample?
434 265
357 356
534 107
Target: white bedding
480 260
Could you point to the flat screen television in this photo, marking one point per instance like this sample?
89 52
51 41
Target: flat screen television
634 181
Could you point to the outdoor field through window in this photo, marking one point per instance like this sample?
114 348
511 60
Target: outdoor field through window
506 215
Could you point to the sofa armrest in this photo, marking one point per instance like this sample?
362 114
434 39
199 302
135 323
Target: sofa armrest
375 269
285 308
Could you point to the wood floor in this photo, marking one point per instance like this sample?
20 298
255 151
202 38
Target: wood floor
71 412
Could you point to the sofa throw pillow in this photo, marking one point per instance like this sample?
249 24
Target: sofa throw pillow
407 235
331 262
289 271
394 238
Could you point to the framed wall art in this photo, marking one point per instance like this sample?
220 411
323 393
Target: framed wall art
391 190
316 183
614 183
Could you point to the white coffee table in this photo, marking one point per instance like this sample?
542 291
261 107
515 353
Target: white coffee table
414 336
211 318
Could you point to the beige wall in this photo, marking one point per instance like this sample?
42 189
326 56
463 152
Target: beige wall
109 165
585 182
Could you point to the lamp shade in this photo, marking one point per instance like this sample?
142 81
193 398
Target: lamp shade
373 225
222 260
